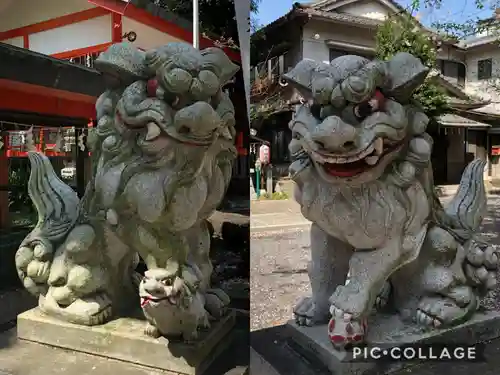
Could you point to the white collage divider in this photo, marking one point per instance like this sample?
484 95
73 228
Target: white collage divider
242 9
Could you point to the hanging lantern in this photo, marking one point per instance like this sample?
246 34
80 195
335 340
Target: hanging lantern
59 141
81 140
29 142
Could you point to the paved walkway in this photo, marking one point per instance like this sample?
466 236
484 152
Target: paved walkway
270 215
277 215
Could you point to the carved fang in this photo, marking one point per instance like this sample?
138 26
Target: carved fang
371 160
153 131
379 146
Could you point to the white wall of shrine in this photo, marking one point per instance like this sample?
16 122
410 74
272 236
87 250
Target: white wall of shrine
20 13
70 37
147 37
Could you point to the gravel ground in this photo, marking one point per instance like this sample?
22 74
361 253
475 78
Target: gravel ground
279 277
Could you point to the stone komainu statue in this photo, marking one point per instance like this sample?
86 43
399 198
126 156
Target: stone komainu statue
361 161
162 156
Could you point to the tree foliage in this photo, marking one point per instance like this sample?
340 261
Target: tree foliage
216 16
401 34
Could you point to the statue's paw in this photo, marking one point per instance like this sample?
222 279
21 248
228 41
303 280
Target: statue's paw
383 296
350 301
343 331
190 336
439 311
33 267
205 321
89 311
307 314
216 302
152 331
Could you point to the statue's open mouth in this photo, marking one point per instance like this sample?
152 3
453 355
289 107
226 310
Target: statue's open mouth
341 166
146 300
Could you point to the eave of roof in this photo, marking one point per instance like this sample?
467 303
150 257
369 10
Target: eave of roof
23 65
455 120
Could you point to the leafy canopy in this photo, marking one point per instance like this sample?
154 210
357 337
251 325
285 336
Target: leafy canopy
216 16
402 34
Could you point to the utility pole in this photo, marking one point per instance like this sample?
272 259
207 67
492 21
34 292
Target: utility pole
196 24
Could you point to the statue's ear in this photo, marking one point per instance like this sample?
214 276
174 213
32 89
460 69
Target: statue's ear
301 77
406 74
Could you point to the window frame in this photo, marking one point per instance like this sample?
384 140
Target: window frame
481 76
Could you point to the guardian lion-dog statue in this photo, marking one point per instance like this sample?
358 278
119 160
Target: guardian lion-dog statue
361 163
162 155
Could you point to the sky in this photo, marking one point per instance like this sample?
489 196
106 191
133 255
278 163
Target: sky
451 11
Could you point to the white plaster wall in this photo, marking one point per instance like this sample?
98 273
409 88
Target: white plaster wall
316 48
483 88
147 37
19 13
452 53
78 35
18 41
368 9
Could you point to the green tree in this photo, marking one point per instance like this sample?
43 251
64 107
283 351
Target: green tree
401 33
216 16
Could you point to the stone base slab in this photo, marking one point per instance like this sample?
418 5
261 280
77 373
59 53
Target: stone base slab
124 339
387 331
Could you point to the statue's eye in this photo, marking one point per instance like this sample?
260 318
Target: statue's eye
167 282
363 110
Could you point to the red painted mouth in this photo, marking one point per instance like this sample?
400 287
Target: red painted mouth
357 167
347 169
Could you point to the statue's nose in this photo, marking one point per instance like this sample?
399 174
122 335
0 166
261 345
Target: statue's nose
335 135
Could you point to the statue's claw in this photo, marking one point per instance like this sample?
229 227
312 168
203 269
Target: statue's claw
438 311
383 296
152 331
307 314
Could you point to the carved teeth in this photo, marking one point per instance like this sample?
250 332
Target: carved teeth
371 160
379 146
330 159
153 131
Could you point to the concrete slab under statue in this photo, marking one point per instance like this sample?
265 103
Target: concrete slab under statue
123 339
361 161
162 156
388 331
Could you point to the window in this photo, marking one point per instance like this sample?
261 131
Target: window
484 68
334 53
453 71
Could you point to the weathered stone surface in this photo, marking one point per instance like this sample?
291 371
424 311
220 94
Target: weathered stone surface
388 331
123 339
162 153
363 174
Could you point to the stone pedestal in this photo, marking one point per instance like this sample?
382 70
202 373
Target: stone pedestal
123 339
386 331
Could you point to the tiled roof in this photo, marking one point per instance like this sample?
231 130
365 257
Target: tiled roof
456 120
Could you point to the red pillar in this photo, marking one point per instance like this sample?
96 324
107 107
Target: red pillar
4 181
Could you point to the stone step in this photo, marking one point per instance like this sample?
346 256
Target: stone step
24 357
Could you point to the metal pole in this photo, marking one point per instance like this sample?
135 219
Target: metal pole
196 25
